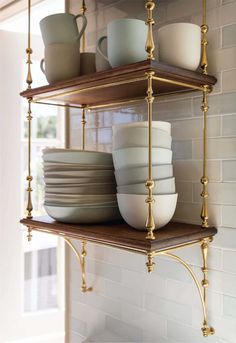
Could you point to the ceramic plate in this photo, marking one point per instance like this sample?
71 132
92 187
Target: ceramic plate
82 215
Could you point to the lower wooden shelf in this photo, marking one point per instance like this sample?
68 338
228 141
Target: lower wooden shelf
121 235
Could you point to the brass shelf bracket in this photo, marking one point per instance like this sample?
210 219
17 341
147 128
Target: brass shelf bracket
81 257
201 286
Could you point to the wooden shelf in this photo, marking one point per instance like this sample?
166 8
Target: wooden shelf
121 84
120 235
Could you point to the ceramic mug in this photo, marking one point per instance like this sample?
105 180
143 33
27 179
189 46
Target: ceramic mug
180 45
126 40
62 61
87 63
62 28
101 62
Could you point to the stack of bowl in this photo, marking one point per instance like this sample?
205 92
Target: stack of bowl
130 157
79 186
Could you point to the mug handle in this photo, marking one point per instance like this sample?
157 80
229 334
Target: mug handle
101 39
41 65
83 26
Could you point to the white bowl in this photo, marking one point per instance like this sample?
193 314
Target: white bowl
82 215
134 210
138 136
77 156
138 157
180 45
165 186
162 125
140 174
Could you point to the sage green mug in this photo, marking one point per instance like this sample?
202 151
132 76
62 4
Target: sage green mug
126 40
62 28
61 62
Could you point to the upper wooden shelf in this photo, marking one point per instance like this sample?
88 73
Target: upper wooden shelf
122 236
122 84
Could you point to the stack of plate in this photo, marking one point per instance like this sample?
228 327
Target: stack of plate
79 186
130 157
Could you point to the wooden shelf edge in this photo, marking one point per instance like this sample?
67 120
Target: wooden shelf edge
120 235
123 73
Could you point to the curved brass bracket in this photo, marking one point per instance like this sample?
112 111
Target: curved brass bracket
201 287
81 258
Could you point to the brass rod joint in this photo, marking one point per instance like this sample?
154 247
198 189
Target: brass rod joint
206 329
83 122
150 263
29 234
150 45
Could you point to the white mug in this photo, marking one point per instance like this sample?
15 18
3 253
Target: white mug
62 28
126 42
180 45
62 61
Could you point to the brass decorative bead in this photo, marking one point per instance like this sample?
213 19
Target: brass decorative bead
204 28
204 180
150 5
150 184
205 283
29 178
29 51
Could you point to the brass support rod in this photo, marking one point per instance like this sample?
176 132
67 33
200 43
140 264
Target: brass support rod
83 11
178 83
29 51
206 330
29 234
150 45
150 263
29 177
55 104
83 122
204 179
150 224
204 30
81 258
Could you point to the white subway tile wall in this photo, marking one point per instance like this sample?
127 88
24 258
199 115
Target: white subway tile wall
127 304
